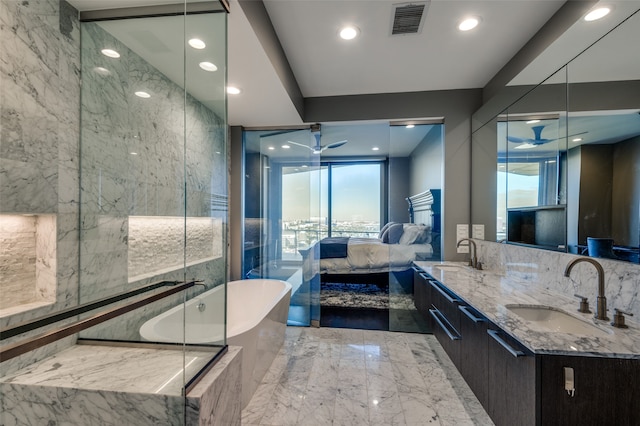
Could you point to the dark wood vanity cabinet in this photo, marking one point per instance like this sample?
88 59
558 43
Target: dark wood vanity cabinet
446 319
474 352
511 384
518 387
607 391
422 295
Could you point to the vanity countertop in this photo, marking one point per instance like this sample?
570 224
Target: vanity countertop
491 292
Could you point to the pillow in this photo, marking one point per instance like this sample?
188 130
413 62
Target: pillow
416 234
384 228
394 233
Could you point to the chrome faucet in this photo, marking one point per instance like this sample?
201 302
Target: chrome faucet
601 306
473 260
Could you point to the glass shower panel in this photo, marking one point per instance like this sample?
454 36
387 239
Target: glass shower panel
415 169
153 181
283 216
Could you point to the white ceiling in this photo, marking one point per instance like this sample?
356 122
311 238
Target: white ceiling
440 57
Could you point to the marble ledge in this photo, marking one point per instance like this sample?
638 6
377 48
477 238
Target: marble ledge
490 293
114 369
53 392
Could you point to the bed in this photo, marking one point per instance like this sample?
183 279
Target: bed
359 260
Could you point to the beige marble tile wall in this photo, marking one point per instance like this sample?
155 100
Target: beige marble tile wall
546 268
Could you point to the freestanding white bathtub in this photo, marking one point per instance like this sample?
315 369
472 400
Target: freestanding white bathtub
257 311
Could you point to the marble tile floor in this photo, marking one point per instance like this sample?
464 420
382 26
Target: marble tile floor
331 376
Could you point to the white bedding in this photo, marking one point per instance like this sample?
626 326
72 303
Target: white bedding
368 255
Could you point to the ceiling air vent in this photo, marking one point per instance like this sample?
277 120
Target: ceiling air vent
408 17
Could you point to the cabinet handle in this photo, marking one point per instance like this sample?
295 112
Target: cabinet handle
424 276
416 269
465 310
444 294
436 314
496 336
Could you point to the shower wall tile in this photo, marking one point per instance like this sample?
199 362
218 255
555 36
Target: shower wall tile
546 268
39 121
133 162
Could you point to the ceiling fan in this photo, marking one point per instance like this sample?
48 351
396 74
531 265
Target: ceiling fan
318 148
537 138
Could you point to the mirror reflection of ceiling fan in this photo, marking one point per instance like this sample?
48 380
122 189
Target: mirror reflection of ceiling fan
536 140
318 148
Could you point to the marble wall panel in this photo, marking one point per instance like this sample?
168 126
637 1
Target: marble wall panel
39 121
134 156
622 279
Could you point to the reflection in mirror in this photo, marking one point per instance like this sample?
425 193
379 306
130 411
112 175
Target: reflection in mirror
594 145
604 155
534 160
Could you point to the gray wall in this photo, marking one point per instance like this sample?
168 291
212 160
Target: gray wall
399 189
626 193
596 173
426 162
484 154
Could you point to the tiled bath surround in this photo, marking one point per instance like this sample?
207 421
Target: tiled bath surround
122 386
546 268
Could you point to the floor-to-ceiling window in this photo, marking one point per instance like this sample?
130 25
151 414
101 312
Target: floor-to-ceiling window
355 196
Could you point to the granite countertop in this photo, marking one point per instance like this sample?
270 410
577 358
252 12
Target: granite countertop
491 292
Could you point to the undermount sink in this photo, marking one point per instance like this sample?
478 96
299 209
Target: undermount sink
553 319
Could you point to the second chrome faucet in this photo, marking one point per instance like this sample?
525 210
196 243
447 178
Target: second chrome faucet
601 306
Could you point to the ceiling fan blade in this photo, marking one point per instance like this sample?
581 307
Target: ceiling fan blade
515 139
334 145
300 144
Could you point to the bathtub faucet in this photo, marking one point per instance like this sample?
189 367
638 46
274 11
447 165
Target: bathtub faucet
199 282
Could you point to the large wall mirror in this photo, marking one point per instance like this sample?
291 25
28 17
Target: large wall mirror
559 168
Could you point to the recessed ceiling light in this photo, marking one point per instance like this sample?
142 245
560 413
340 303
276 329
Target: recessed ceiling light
233 90
271 148
375 148
286 146
133 153
576 140
596 14
110 53
533 121
349 33
102 71
410 126
141 94
468 23
196 43
208 66
304 166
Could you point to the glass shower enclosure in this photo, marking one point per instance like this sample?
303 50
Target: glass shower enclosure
118 214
